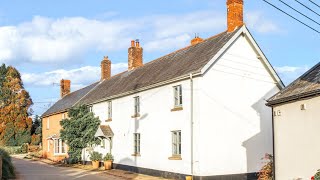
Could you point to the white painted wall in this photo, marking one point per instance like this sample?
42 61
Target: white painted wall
296 140
235 126
232 129
155 126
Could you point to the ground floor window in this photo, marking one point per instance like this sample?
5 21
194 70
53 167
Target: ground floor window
59 146
136 142
176 143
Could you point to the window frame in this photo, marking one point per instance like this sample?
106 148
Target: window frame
177 96
109 110
176 143
61 147
48 123
136 106
136 143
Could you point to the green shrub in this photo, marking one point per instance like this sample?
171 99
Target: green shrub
317 175
108 157
7 167
24 148
95 156
12 149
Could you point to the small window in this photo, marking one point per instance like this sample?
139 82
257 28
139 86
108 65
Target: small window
177 96
303 107
59 146
48 145
48 123
136 143
63 116
90 108
109 110
103 143
176 143
136 106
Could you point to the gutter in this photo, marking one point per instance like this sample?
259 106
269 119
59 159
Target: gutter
191 123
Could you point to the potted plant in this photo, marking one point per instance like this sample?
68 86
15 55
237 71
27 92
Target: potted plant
107 161
95 157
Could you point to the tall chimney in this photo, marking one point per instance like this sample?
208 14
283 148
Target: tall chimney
105 68
64 87
135 55
235 14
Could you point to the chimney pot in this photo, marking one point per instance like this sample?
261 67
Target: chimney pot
132 43
235 14
64 87
196 40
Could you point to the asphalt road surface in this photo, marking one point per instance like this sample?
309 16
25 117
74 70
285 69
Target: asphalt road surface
35 170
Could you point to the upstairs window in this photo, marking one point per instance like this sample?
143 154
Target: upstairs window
109 110
136 106
90 108
48 123
177 90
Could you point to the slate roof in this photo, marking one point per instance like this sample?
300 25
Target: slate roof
179 63
69 100
305 86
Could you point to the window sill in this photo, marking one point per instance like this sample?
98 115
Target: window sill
136 155
135 116
108 120
175 158
60 154
177 109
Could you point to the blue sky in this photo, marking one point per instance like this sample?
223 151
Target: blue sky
49 40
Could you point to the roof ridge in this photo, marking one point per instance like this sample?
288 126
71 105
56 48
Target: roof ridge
181 49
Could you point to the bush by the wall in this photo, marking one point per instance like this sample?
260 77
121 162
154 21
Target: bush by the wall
7 167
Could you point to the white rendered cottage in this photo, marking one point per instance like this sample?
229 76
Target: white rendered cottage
296 127
198 111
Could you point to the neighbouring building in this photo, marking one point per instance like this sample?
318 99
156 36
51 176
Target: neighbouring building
53 147
197 111
296 127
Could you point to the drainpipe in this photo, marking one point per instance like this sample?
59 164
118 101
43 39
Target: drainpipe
191 122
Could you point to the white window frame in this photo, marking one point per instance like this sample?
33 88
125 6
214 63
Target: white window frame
91 108
136 143
48 145
177 96
176 143
137 106
109 109
48 123
61 147
63 116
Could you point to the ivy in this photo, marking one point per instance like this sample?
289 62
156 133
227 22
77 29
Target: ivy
78 131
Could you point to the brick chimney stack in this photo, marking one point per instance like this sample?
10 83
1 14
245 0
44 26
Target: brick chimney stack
64 87
235 14
105 68
135 55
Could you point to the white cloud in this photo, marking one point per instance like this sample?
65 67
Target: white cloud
79 77
258 22
290 73
65 40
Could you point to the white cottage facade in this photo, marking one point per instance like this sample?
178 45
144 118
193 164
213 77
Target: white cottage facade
217 126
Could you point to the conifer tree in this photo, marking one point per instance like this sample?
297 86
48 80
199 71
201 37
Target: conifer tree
15 101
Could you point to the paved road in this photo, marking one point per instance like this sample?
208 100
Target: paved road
35 170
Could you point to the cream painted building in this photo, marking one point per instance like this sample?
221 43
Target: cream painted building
296 127
198 111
